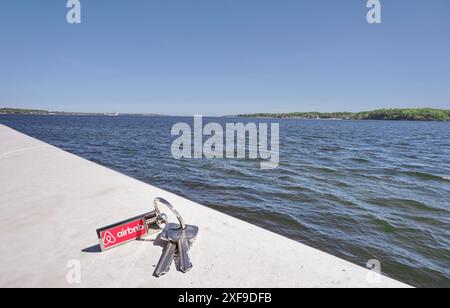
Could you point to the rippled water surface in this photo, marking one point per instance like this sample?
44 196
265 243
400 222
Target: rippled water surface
359 190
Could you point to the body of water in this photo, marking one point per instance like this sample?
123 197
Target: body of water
359 190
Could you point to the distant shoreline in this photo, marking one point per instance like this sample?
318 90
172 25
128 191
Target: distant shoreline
17 111
417 114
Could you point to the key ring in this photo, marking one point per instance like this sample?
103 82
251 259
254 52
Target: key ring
170 206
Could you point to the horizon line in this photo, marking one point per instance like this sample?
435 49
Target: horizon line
204 115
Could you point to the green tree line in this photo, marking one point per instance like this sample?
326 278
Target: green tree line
411 114
22 111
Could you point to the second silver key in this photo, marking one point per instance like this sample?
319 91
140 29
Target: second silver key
182 237
166 259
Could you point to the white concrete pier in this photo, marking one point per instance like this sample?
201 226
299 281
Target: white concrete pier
52 202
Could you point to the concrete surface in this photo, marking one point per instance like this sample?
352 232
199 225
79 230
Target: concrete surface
52 202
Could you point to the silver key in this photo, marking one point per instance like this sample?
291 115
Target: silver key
165 262
182 237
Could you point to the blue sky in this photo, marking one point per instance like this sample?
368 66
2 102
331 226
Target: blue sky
216 57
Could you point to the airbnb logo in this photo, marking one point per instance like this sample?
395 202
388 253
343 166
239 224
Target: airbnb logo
121 233
108 239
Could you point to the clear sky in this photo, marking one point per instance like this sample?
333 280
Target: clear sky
216 57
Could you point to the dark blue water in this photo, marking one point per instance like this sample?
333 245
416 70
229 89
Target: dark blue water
359 190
